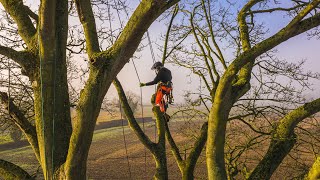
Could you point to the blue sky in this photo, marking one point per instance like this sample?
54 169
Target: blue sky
293 50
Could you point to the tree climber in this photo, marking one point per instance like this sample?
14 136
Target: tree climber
163 78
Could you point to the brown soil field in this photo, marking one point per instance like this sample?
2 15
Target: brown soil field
108 158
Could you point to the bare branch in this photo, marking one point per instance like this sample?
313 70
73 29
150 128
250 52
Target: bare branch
88 22
23 58
16 9
209 21
21 121
283 140
131 119
32 14
174 14
9 170
276 9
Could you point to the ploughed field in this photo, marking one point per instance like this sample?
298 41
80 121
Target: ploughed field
116 156
107 156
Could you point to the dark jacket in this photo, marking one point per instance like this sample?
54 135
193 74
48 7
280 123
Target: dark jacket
164 75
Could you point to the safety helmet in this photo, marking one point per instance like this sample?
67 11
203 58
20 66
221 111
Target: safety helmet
156 65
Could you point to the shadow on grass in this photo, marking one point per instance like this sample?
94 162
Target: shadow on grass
13 145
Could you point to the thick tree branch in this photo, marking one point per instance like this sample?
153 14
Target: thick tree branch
243 26
245 72
21 121
89 26
33 15
17 11
139 22
23 58
292 29
131 119
9 170
289 122
198 146
301 15
174 148
283 140
314 172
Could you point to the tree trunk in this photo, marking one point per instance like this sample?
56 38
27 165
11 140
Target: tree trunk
218 118
161 164
52 109
159 149
187 172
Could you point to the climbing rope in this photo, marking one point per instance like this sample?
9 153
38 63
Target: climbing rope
9 85
142 116
151 48
155 88
124 139
141 101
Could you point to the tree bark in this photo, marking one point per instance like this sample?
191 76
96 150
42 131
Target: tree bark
187 166
9 170
52 108
103 70
22 122
218 118
49 77
158 149
161 163
277 151
314 172
283 140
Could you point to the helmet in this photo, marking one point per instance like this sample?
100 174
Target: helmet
156 65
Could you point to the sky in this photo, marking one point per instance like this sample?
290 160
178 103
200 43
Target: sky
295 49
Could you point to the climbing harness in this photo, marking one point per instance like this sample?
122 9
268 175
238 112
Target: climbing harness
164 96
